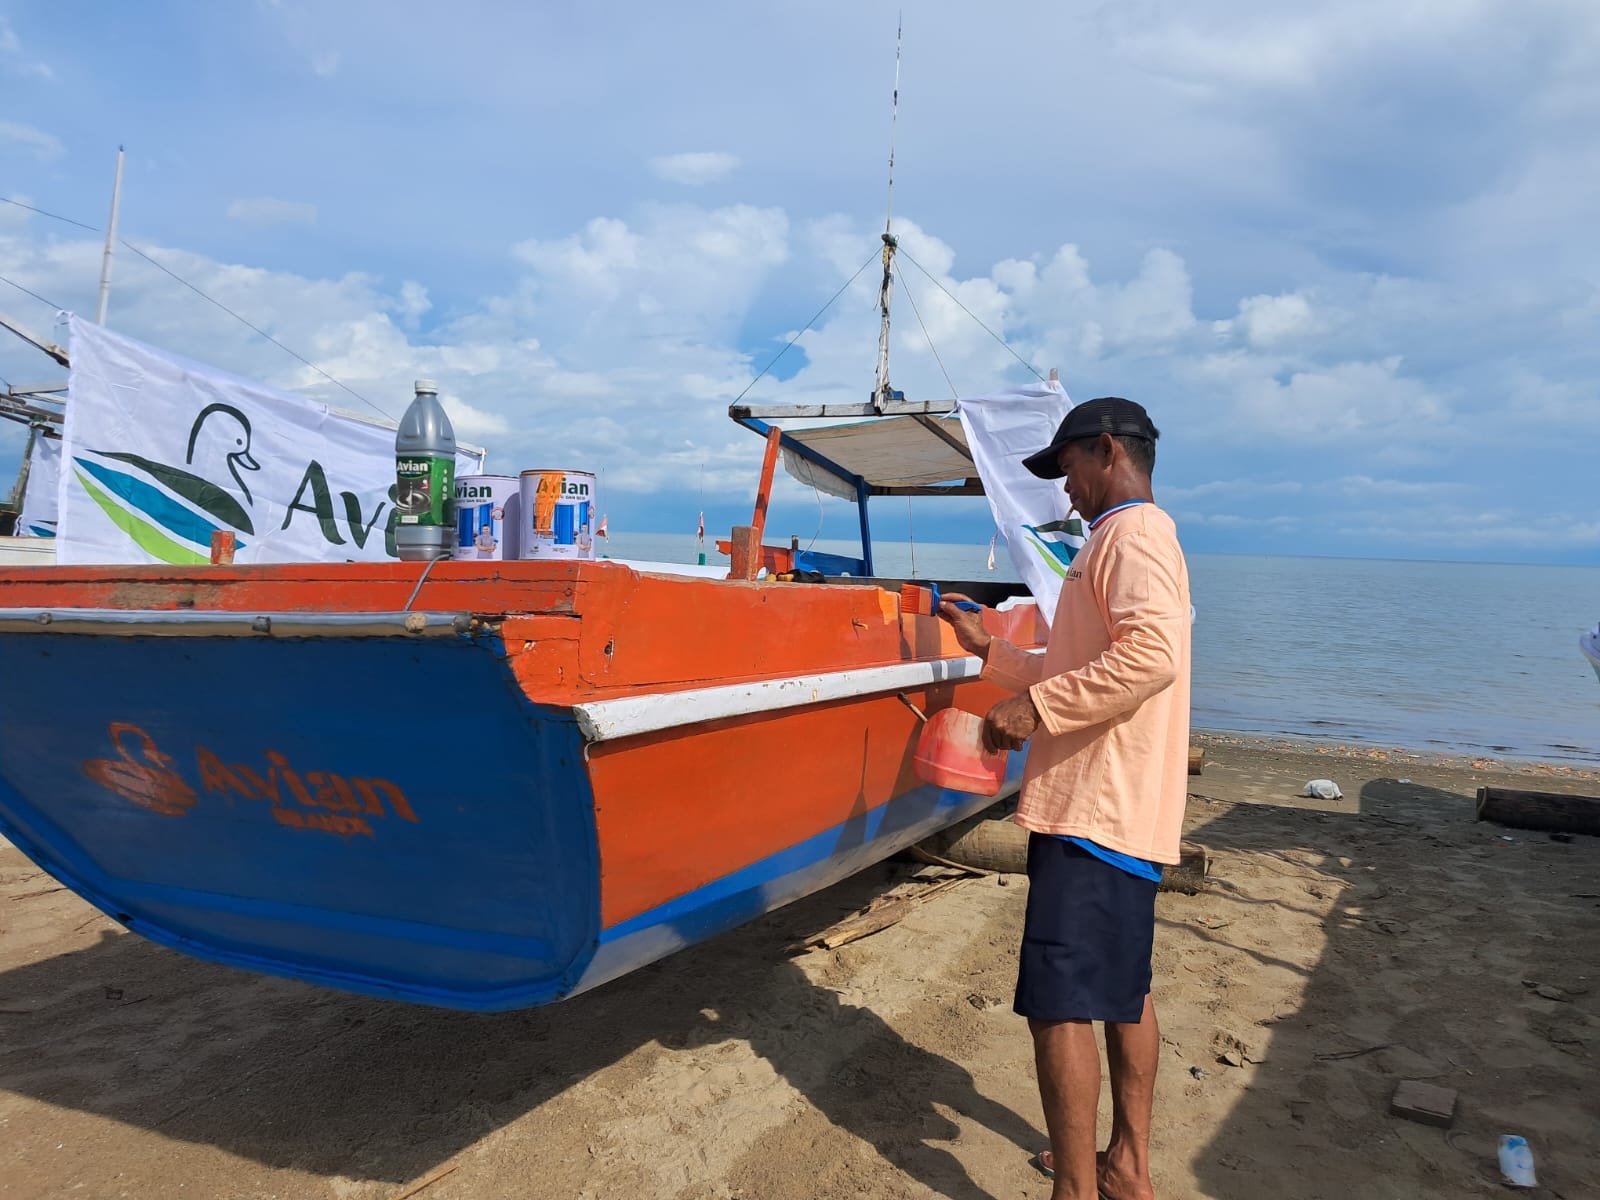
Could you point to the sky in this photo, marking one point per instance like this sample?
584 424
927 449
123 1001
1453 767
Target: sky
1347 255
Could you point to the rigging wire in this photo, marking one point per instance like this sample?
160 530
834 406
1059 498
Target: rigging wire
30 292
974 316
808 325
51 215
300 357
918 313
210 299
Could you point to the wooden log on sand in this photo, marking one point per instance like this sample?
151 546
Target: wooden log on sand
1197 759
989 844
1189 876
1552 812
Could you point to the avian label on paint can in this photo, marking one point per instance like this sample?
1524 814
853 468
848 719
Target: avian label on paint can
558 514
488 517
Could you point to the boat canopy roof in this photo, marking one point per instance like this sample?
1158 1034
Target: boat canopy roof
916 453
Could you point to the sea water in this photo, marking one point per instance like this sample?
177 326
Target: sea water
1455 657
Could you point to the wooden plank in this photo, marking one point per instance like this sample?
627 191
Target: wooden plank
223 544
1552 812
890 912
744 553
769 464
1197 759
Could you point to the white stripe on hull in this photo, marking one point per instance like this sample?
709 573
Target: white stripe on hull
608 720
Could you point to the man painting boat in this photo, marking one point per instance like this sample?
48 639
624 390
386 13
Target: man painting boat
1106 710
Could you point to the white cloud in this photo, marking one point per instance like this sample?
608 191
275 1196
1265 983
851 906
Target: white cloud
1270 320
45 146
1475 530
264 210
1343 403
412 303
325 64
1365 485
618 347
695 169
14 60
1234 489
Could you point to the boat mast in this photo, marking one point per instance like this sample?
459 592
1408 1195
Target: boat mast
882 393
111 243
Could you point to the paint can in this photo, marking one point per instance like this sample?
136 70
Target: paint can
488 517
558 514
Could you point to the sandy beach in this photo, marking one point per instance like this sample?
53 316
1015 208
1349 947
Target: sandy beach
1340 948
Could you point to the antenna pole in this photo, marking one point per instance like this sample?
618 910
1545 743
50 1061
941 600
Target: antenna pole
111 242
882 393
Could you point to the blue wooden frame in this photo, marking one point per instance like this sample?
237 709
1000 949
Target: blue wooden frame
862 487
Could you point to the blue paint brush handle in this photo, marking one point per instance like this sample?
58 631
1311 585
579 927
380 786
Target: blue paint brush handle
963 605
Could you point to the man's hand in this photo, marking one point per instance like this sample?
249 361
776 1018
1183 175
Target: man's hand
1010 724
968 626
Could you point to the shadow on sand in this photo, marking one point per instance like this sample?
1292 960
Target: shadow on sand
1436 927
291 1075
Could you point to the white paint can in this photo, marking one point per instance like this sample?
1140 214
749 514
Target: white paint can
488 517
558 514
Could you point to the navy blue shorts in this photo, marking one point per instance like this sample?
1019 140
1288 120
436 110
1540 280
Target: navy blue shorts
1087 937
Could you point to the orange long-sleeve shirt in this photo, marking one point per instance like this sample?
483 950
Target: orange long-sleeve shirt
1110 759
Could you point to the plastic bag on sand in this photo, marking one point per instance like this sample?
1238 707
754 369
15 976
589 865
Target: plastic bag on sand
1322 789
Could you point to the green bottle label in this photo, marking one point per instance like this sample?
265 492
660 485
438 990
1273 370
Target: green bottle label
425 488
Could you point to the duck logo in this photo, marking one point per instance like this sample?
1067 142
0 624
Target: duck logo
141 773
171 512
1056 554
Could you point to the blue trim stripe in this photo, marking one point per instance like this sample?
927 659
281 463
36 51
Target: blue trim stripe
783 877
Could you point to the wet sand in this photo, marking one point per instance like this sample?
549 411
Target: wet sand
1342 946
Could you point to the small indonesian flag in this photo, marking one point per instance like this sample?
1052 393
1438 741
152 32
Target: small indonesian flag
601 531
702 534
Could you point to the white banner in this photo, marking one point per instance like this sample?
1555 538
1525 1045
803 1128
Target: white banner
41 499
160 452
1042 534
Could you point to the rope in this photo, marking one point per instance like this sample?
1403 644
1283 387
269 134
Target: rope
808 325
34 294
918 313
129 245
974 316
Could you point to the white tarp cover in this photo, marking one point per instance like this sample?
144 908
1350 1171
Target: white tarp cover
41 499
1589 643
886 452
1042 534
159 452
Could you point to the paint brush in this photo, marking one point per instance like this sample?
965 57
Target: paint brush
923 599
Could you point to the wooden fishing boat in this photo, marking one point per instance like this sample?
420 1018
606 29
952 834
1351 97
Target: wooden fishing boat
483 786
488 785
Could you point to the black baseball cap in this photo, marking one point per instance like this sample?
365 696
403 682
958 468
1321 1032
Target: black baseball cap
1106 414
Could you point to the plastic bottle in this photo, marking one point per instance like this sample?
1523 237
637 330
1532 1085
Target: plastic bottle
425 475
1516 1161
